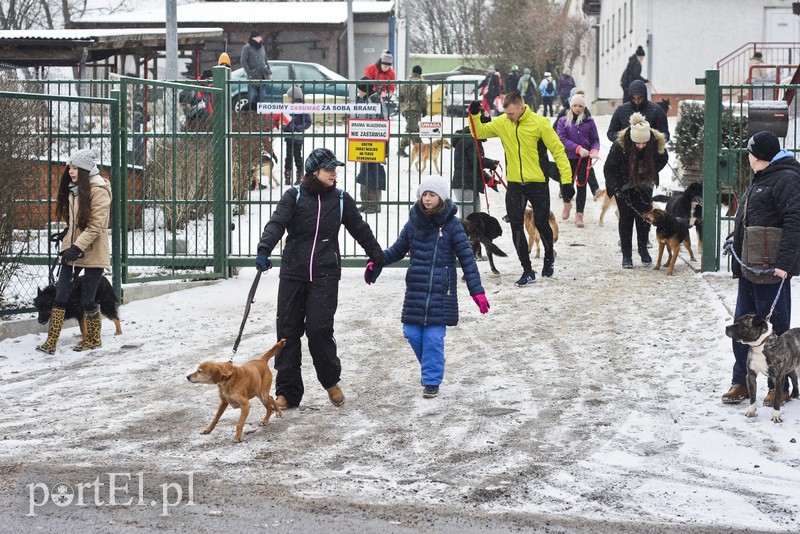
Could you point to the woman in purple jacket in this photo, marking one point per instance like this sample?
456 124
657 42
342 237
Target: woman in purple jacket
578 132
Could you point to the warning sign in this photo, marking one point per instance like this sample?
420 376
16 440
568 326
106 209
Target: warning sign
368 130
366 151
430 129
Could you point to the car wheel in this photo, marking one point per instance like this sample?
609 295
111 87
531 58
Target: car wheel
240 103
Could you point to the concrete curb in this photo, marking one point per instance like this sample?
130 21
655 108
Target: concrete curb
133 292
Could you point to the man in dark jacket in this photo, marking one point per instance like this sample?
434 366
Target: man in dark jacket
308 292
632 72
254 62
467 180
639 103
771 200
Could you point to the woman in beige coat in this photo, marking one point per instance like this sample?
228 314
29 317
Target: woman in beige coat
84 203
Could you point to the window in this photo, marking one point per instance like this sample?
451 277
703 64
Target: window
280 72
613 29
308 73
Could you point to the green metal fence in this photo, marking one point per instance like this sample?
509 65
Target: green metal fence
730 118
195 175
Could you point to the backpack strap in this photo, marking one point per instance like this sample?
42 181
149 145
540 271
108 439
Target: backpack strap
341 200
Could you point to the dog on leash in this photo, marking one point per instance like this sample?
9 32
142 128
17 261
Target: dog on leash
533 232
423 152
105 297
238 384
687 205
481 228
607 202
671 232
769 354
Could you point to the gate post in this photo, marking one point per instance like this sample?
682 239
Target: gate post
711 161
116 191
219 148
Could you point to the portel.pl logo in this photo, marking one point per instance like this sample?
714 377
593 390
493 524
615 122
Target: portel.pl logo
115 490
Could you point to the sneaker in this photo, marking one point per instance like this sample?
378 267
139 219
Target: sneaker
528 277
430 392
281 401
627 263
547 268
736 394
566 210
336 396
579 220
770 398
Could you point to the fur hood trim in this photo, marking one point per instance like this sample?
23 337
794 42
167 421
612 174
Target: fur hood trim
661 141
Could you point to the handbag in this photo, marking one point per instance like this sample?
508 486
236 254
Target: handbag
760 247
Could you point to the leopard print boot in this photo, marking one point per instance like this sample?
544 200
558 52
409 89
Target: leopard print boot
53 332
93 324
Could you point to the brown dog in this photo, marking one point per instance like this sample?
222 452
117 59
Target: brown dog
607 201
533 233
238 384
422 153
671 232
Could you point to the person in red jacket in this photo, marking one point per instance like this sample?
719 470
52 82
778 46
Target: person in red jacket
382 70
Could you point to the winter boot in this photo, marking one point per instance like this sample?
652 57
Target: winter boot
566 210
627 262
645 256
336 396
736 394
287 176
53 332
579 220
93 325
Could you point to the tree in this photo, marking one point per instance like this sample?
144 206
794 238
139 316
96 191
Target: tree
447 26
52 14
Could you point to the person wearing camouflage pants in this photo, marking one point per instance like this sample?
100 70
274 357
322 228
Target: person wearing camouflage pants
413 106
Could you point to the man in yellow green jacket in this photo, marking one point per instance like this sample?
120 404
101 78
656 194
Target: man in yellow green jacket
520 130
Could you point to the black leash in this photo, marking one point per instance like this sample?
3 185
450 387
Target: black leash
630 205
250 300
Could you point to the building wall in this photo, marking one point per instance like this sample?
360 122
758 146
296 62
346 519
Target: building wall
687 37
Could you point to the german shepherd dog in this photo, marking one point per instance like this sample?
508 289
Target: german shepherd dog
671 232
607 202
769 354
533 233
687 205
423 152
481 228
106 298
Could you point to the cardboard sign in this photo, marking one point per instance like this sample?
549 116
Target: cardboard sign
366 151
430 129
367 130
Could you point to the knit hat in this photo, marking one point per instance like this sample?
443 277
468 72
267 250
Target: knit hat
321 158
577 98
295 93
566 70
547 74
640 128
640 51
83 159
526 70
386 57
364 86
416 70
764 146
757 55
255 33
514 68
490 70
435 184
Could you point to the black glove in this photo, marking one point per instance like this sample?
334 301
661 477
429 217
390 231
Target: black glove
567 192
492 165
58 237
72 253
474 107
263 263
371 272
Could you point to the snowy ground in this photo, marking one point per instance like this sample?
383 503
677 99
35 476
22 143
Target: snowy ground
593 397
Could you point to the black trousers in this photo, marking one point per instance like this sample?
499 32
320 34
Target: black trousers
306 307
517 197
580 177
91 280
627 202
547 106
293 150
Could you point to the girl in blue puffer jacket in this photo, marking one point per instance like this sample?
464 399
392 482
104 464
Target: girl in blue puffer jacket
434 238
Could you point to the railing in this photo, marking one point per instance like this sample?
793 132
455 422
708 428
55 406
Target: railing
735 67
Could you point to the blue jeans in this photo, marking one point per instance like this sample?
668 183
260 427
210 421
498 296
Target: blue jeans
254 94
428 345
91 280
757 298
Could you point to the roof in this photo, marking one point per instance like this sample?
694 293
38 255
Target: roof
247 13
29 48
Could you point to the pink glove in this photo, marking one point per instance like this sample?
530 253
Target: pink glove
480 300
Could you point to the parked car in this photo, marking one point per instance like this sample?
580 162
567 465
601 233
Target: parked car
316 78
458 95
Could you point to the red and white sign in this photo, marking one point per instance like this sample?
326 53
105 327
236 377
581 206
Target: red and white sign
430 129
367 130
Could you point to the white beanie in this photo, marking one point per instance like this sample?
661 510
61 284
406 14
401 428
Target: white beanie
435 184
640 129
577 98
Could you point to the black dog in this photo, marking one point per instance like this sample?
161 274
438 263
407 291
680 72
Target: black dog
687 205
665 104
481 228
770 354
109 303
671 232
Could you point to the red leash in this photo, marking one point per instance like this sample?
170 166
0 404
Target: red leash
478 153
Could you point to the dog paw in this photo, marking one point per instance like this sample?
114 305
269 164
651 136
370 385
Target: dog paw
751 411
238 439
206 431
776 416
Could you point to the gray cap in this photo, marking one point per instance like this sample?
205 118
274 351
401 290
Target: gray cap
295 93
83 159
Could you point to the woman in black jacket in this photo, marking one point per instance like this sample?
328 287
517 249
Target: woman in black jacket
311 215
467 181
631 172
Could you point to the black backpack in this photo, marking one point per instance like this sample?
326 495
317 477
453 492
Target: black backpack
549 87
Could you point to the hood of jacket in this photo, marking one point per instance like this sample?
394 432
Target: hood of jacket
661 141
